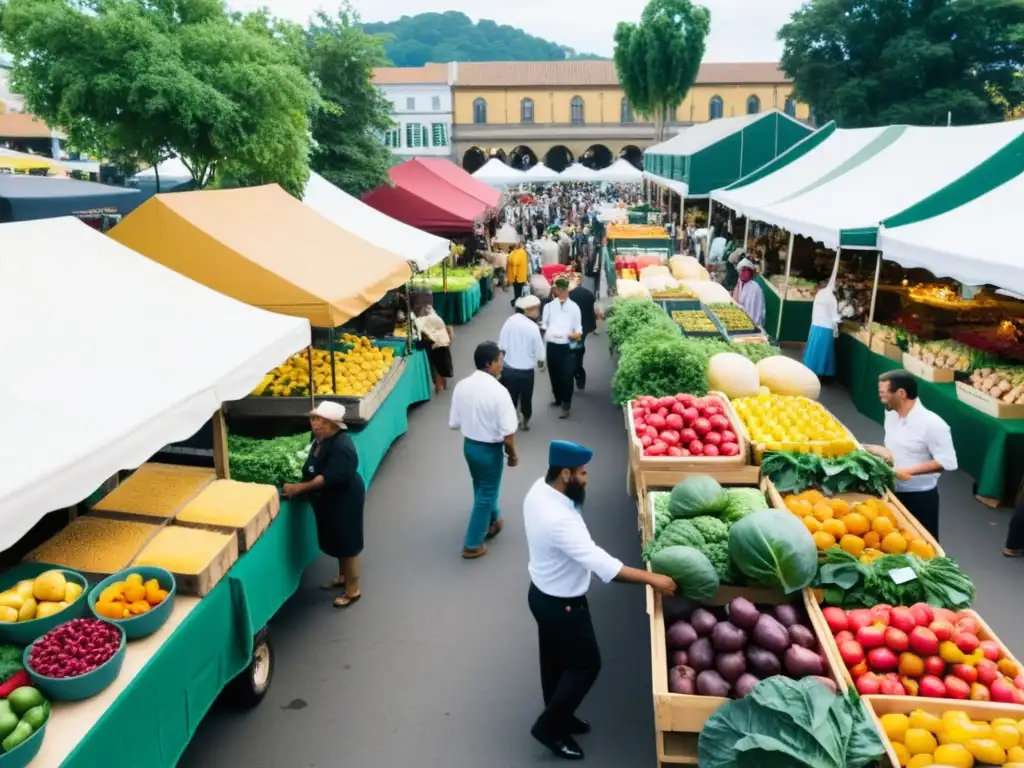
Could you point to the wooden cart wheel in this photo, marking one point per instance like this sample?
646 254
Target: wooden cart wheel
247 690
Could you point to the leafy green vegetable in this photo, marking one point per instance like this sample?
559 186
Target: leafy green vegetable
787 723
629 319
10 661
697 495
274 462
856 472
849 583
711 528
658 366
742 501
774 548
690 569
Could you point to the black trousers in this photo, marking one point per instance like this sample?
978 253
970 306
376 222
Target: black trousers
517 291
580 374
569 658
520 386
924 505
562 370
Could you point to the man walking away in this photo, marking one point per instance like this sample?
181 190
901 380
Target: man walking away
517 270
523 349
562 557
562 325
482 410
585 299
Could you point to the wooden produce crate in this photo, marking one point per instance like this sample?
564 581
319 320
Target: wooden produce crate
204 579
903 705
679 719
758 449
927 372
248 530
881 347
666 471
904 519
985 403
667 299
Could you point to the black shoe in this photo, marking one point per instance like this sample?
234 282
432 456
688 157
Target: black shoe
581 384
564 747
526 426
556 403
579 727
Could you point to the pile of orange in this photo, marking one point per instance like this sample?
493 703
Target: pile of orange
867 529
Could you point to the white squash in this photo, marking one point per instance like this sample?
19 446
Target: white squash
785 376
733 374
708 292
656 283
654 270
629 289
687 268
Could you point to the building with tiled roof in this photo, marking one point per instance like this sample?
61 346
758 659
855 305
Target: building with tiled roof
421 107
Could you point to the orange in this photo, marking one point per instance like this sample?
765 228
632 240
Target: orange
798 506
812 524
839 506
894 544
835 527
824 540
823 511
856 524
867 510
872 539
883 526
922 549
852 544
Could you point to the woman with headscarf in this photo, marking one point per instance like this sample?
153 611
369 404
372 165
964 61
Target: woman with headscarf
748 293
434 336
820 353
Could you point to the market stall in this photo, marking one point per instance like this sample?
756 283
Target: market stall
540 174
24 198
579 172
621 172
498 174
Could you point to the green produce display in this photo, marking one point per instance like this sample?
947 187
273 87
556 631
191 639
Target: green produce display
697 495
856 472
774 549
22 713
691 570
10 661
272 462
630 319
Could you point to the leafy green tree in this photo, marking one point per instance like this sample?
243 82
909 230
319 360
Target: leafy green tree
877 62
657 60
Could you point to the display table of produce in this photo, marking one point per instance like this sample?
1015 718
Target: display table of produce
796 318
988 449
458 307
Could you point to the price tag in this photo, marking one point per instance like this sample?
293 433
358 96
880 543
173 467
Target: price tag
902 575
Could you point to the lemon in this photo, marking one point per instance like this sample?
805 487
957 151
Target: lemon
1015 754
921 719
895 726
987 751
920 761
953 755
919 741
901 752
1006 736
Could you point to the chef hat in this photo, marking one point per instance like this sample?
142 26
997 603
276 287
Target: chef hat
527 302
562 453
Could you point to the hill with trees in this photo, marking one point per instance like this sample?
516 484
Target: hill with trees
412 41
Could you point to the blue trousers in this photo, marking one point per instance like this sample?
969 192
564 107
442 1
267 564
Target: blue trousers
486 462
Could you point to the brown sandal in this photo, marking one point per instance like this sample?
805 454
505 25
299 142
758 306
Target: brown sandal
1013 553
495 528
337 583
344 601
473 554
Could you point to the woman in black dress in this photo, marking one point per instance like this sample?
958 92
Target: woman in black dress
336 492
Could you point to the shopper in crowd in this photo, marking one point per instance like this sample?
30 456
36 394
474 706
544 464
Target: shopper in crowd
820 352
331 481
1014 546
518 270
585 299
563 328
437 342
562 558
523 349
482 411
748 293
918 444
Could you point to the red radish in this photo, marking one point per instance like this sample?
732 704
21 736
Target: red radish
944 614
652 432
710 449
658 448
685 452
674 421
699 403
868 685
857 618
675 451
713 438
965 672
719 422
968 624
896 639
957 688
728 436
882 660
663 412
943 630
931 687
923 614
991 650
690 415
902 618
923 642
836 619
678 408
1002 691
987 671
696 448
646 441
871 637
686 400
730 449
657 421
965 641
638 412
934 665
701 426
687 436
852 653
670 436
844 637
891 687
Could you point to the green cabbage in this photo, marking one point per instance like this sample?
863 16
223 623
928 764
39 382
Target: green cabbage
742 501
691 570
698 495
774 549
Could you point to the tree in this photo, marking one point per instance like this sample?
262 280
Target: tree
657 60
877 62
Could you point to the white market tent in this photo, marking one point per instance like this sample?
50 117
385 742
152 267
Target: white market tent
356 217
120 355
845 208
540 174
498 174
579 172
621 172
172 170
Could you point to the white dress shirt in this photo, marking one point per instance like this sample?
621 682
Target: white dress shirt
920 437
562 554
521 342
717 251
482 409
561 318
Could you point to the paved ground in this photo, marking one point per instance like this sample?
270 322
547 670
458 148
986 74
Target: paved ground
436 666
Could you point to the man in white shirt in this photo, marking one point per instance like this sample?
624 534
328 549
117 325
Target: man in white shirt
562 557
562 324
482 410
919 445
523 349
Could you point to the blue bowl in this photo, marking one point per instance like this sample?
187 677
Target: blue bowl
24 753
81 687
24 632
147 623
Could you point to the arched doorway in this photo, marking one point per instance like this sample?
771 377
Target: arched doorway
558 158
499 153
473 159
597 156
634 155
522 158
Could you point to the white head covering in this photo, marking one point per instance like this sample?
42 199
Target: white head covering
334 412
746 264
527 302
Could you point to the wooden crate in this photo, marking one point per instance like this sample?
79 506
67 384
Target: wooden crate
986 403
903 517
664 471
904 705
882 347
246 534
927 372
757 450
678 719
202 583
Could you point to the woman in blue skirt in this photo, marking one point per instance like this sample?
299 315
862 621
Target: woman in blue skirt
820 352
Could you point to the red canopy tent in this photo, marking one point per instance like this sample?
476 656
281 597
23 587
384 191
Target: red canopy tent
456 176
424 199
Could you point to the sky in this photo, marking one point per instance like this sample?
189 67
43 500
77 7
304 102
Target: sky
741 30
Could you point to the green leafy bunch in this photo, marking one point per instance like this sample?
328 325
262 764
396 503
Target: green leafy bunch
274 462
631 318
658 367
855 472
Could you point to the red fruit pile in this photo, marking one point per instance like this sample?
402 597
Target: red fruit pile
74 648
923 651
684 425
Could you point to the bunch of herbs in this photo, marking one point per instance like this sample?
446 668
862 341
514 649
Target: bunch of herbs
856 472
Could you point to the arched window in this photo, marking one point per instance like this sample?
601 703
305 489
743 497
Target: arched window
625 111
526 111
480 111
790 107
715 108
576 110
753 105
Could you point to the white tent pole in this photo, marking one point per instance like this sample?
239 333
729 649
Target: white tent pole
746 233
785 288
874 293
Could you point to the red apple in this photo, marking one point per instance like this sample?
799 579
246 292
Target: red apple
857 618
991 650
880 614
932 687
896 639
844 637
965 641
882 660
965 672
902 618
836 619
944 614
923 614
923 642
868 685
980 693
968 624
1002 690
987 671
852 653
935 666
956 688
943 629
891 687
871 637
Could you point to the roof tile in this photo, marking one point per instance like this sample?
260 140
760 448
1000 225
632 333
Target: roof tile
428 73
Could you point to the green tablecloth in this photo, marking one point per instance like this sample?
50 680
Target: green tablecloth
458 307
486 289
989 450
162 707
796 318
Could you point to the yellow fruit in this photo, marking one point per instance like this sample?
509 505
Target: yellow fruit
902 753
822 511
47 608
134 579
835 527
921 719
1015 754
920 761
1006 736
953 755
922 549
955 734
895 726
134 592
49 586
824 540
12 600
812 524
882 526
72 591
919 741
894 544
852 544
856 524
8 615
872 540
955 717
25 588
28 610
987 751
